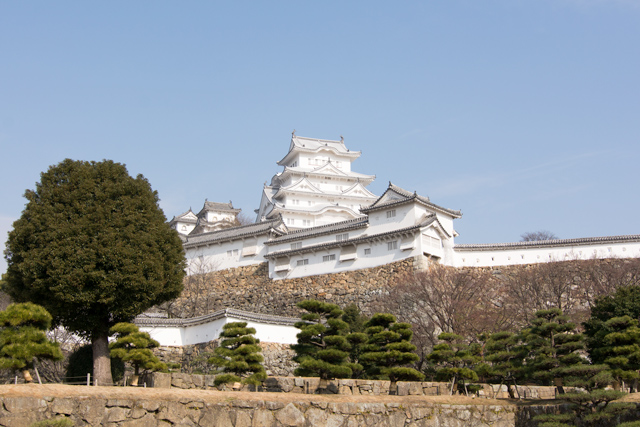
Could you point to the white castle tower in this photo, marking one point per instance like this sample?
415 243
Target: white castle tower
317 185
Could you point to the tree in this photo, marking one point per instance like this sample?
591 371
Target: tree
389 350
322 345
23 338
463 301
239 355
134 347
624 302
621 349
92 245
505 352
553 345
455 360
532 236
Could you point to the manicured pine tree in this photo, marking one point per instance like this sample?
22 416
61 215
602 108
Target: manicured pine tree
389 350
621 347
23 338
505 353
593 405
455 360
239 355
553 345
356 337
322 348
135 347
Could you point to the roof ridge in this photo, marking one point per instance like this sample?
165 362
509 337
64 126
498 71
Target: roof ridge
552 242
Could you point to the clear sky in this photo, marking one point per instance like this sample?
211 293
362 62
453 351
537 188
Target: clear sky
524 114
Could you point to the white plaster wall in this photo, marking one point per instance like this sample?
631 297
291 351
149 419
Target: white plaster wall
531 255
180 336
380 255
215 257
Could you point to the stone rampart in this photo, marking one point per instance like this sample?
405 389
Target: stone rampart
120 407
249 288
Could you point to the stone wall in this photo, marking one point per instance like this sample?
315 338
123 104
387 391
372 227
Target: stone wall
193 358
118 407
349 387
249 288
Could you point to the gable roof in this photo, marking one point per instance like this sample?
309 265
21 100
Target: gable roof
312 145
271 226
189 217
320 230
395 195
220 207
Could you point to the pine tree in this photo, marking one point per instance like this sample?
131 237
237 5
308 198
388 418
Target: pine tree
553 345
93 247
23 337
322 346
505 352
239 355
134 347
389 350
455 360
621 349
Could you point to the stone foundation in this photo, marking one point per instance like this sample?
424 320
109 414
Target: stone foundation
249 288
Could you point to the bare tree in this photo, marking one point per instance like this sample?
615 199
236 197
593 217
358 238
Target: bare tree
54 371
243 219
531 236
445 299
196 299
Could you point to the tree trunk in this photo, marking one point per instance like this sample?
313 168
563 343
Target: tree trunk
101 360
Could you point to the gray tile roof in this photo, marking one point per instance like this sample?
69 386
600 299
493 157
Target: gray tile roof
234 233
144 320
215 206
408 197
547 243
321 230
329 245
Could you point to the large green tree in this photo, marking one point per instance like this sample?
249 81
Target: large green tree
93 247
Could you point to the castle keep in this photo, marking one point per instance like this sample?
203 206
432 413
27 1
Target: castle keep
317 217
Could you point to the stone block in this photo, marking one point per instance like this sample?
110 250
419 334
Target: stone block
63 406
24 404
161 380
263 418
290 416
415 388
345 390
402 388
198 381
115 414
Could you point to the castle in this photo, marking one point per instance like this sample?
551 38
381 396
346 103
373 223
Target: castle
317 216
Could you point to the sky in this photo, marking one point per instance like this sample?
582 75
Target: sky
524 114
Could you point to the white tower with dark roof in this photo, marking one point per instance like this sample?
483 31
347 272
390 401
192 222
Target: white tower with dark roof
317 185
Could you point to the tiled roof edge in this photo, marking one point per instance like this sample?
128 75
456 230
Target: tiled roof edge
227 312
548 243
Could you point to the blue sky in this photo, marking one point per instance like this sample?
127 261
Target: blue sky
524 114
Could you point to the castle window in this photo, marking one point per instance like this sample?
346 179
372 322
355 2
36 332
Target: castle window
341 237
391 213
367 251
184 228
296 245
392 245
306 222
302 262
331 257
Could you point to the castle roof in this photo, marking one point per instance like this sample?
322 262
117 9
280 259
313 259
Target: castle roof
187 217
395 195
320 230
218 207
275 226
311 145
547 243
348 242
